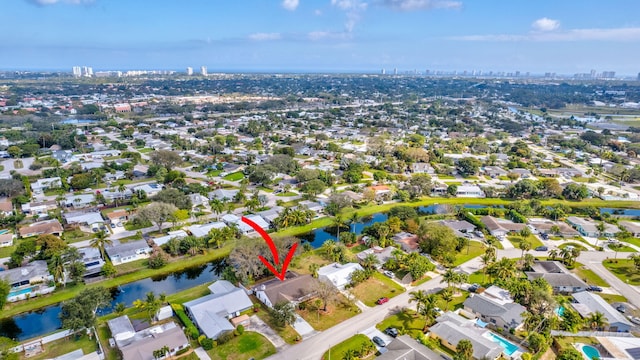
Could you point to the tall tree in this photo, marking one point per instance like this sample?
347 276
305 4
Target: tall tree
80 312
101 241
464 350
157 213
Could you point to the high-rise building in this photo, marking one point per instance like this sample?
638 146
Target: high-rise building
203 70
87 71
383 71
593 74
189 71
608 74
395 71
638 76
77 71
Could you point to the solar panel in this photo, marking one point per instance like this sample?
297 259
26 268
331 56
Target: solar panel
634 353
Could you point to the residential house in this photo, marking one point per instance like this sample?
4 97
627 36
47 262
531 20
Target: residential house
588 227
199 200
149 189
294 289
469 191
500 227
243 228
39 208
560 279
338 275
177 234
28 281
495 306
543 226
6 239
422 168
381 254
203 230
79 201
494 171
316 207
271 215
90 220
212 313
118 216
222 195
114 195
262 223
404 347
42 185
49 227
92 260
6 207
380 191
587 303
142 345
353 196
407 241
631 226
524 173
131 251
459 227
451 328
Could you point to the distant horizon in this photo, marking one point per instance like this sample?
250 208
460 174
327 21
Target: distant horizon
324 36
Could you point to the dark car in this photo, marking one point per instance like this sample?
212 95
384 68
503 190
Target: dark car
474 288
621 308
382 300
378 341
594 288
393 332
542 248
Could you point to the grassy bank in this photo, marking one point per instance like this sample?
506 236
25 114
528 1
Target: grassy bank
69 292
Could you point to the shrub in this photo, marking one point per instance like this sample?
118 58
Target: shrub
240 329
207 344
225 338
157 259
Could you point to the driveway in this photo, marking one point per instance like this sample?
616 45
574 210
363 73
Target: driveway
372 331
259 326
303 328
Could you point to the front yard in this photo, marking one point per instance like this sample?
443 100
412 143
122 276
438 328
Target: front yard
624 270
474 249
249 345
532 239
338 311
407 322
588 275
287 333
375 287
236 176
353 344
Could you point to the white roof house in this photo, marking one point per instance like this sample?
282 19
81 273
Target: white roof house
203 230
338 275
587 303
178 234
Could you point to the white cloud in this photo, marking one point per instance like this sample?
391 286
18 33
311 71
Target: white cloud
413 5
353 9
290 5
545 24
54 2
630 34
317 12
324 35
265 36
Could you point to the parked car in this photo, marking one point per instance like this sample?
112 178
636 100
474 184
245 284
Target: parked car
379 341
389 273
393 332
594 288
541 248
621 308
635 320
474 288
382 300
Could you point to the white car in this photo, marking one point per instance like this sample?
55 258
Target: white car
388 273
635 320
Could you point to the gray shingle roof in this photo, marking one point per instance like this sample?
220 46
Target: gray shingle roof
453 333
509 312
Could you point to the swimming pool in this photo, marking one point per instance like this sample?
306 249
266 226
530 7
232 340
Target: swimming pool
20 292
4 231
559 311
590 352
509 348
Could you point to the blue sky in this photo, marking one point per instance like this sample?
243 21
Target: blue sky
564 36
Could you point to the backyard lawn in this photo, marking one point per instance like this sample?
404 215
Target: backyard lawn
234 176
337 311
474 249
375 287
407 322
300 264
249 345
588 276
355 343
287 194
64 346
532 239
624 270
456 302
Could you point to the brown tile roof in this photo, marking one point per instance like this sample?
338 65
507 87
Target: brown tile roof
42 227
297 288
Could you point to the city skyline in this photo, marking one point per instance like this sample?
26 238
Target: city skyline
324 36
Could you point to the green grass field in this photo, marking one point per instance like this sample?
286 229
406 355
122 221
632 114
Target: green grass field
236 176
249 345
338 311
590 277
532 239
624 270
407 322
353 343
375 287
474 249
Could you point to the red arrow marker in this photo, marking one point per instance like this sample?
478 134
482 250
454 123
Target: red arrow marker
276 259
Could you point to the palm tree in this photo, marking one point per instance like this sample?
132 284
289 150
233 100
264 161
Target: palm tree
553 254
217 207
327 247
313 268
555 229
428 309
338 222
487 260
524 245
449 277
597 320
491 251
353 220
370 261
528 261
100 242
419 297
447 296
56 266
151 304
